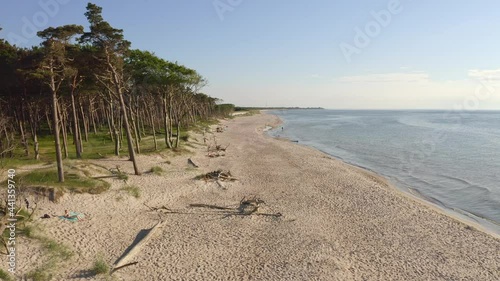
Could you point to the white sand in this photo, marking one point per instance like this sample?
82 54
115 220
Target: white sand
339 222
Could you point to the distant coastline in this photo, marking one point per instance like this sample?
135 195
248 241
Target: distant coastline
243 108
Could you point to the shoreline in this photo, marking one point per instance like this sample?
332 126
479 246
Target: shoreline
337 221
470 220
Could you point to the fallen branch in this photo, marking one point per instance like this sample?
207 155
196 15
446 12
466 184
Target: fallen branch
209 206
123 266
246 207
190 162
218 175
156 208
123 261
219 183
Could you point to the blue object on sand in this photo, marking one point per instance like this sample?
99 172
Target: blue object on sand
73 217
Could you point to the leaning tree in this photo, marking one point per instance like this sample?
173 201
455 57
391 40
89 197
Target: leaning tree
110 49
53 70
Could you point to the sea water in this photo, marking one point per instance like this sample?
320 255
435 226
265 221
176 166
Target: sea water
451 159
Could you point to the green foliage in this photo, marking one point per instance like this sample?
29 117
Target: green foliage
22 216
5 276
184 136
156 170
39 274
98 146
132 190
122 176
225 110
56 250
29 231
82 66
100 266
54 254
75 181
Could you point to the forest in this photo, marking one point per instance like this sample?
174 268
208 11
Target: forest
81 85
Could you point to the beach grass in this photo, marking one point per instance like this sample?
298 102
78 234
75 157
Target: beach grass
54 254
100 266
39 274
5 276
98 146
156 170
132 190
75 181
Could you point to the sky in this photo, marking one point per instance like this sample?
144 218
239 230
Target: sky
339 54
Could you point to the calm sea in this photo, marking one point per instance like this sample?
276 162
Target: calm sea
451 159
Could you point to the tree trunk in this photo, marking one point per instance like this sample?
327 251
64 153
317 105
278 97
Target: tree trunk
36 146
55 126
33 120
85 123
117 82
171 124
63 129
49 123
92 115
128 133
76 137
153 127
24 140
108 121
178 134
121 129
123 106
134 127
165 120
115 130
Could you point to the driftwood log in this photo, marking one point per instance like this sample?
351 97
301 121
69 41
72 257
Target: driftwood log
125 259
190 162
218 175
246 207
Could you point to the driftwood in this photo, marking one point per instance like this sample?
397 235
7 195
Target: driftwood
216 150
135 248
217 176
156 208
246 207
220 148
190 162
123 266
197 205
219 183
250 206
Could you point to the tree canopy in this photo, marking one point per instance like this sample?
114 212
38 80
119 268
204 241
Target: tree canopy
80 83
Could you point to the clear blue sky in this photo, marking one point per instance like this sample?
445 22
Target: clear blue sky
429 54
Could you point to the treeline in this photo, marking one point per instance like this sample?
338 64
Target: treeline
78 82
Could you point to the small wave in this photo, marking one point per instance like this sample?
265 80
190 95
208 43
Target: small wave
427 198
477 188
475 216
466 185
457 180
421 181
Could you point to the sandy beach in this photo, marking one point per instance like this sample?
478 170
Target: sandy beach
337 222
